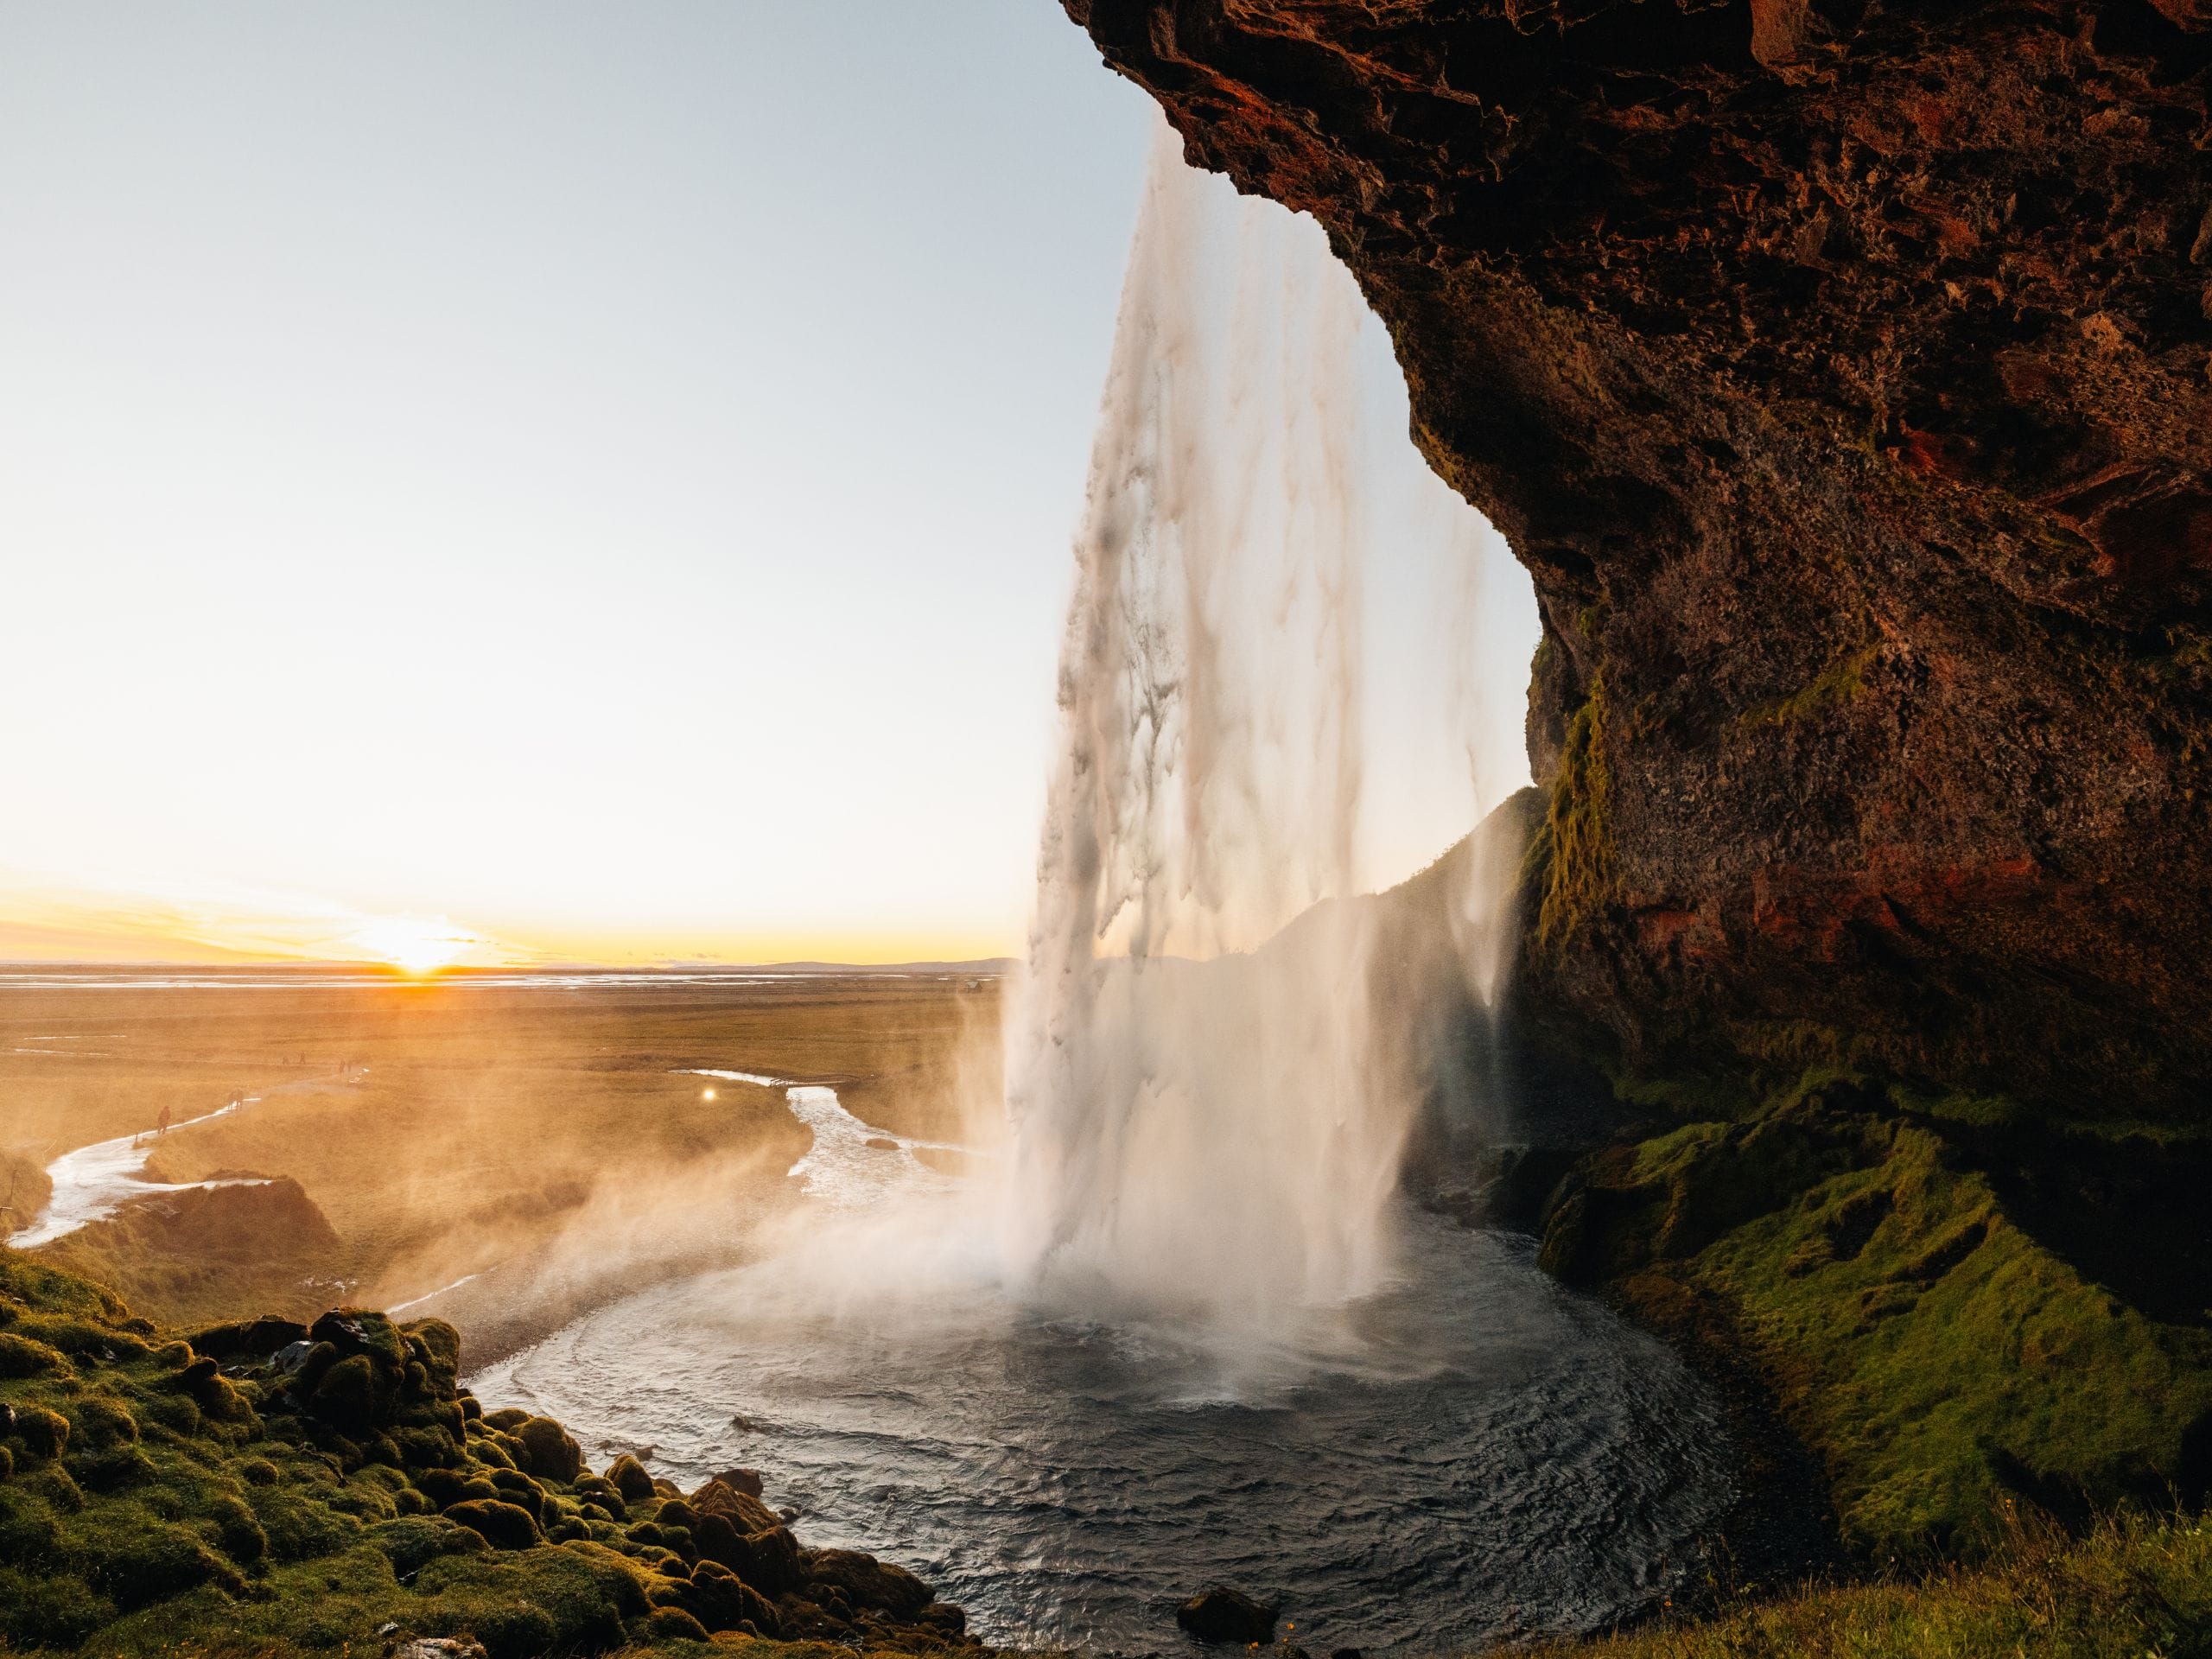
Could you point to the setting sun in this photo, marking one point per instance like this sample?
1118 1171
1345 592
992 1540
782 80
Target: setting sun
415 946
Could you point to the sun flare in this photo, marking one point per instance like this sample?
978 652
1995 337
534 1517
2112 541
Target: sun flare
416 946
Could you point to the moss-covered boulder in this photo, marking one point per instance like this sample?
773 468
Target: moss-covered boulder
282 1489
628 1477
1919 1328
501 1525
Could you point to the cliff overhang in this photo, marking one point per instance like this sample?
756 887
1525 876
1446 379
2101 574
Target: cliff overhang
1844 377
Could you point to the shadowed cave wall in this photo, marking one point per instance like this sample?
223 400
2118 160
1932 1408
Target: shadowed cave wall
1844 377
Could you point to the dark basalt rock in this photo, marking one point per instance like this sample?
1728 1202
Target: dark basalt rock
863 1581
1843 376
1224 1615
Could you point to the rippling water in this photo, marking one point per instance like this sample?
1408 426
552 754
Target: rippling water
1473 1456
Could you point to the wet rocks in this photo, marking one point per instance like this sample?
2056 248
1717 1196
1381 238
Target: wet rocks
1224 1615
742 1509
866 1582
746 1481
723 1601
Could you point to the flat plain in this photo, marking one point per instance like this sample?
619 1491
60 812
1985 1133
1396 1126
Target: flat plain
545 1140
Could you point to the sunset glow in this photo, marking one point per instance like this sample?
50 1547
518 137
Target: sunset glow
415 946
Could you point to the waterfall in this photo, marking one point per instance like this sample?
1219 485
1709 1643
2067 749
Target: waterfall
1201 1116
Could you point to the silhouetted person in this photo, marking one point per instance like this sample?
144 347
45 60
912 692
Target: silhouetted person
162 1127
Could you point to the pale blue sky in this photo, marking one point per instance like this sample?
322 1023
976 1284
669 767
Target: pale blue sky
595 473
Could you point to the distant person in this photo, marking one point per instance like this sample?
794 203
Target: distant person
162 1127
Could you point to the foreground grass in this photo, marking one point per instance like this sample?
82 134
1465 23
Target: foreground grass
2134 1588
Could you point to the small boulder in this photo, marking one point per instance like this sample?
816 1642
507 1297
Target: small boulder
768 1561
44 1434
947 1620
628 1477
866 1581
668 1625
553 1453
742 1480
500 1524
723 1601
1224 1615
744 1510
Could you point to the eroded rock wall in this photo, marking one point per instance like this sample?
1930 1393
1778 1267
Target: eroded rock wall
1844 376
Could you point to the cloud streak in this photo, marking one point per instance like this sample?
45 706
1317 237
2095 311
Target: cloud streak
44 918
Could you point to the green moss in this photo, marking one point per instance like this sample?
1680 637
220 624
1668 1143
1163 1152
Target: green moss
21 1355
1842 680
1940 1362
137 1519
1576 845
2133 1589
1943 1362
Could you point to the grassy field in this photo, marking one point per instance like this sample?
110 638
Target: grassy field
546 1138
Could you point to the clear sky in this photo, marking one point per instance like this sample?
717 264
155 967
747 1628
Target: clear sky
593 478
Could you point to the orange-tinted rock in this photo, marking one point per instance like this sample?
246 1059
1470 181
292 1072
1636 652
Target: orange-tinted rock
1843 376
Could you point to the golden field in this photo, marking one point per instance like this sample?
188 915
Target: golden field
543 1135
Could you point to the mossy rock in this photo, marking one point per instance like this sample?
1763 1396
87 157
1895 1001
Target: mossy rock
629 1478
1947 1368
669 1624
516 1488
865 1581
551 1452
44 1433
150 1504
43 1609
723 1601
21 1355
437 1345
502 1525
246 1338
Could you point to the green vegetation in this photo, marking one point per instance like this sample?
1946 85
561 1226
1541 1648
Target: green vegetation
2134 1588
203 1255
1840 682
1941 1361
268 1488
1576 846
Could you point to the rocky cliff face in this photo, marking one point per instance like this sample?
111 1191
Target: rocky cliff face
1844 376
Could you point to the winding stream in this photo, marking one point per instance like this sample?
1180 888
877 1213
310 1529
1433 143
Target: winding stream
93 1182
